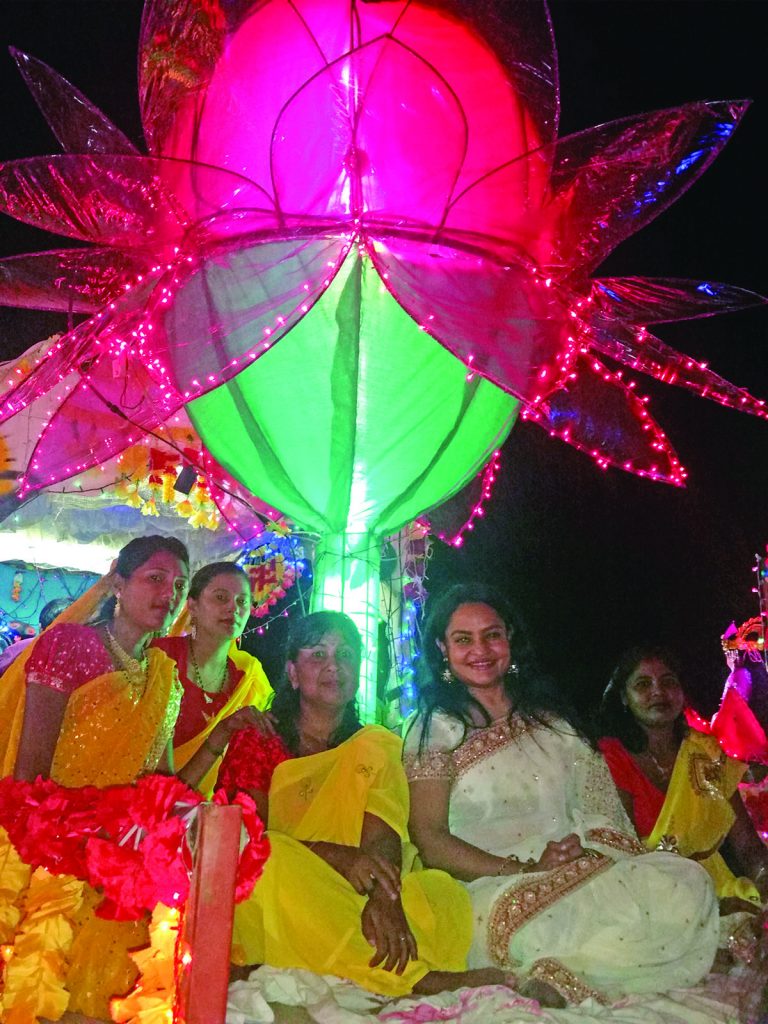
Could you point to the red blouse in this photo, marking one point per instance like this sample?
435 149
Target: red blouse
195 710
67 656
647 799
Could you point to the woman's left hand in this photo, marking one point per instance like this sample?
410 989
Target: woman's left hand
386 929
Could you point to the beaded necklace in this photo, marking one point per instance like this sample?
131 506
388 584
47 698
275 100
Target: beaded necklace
197 677
135 671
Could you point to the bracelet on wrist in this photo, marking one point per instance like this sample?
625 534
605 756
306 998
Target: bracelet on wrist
523 866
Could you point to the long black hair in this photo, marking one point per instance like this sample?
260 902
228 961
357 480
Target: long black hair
307 632
613 717
532 695
135 553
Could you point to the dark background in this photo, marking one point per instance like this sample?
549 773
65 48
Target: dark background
595 560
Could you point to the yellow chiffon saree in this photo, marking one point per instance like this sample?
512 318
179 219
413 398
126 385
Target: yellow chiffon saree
304 914
58 955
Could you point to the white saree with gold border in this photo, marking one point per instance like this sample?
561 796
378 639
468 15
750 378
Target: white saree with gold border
618 921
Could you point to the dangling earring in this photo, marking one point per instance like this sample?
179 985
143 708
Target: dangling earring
117 604
446 675
513 669
193 630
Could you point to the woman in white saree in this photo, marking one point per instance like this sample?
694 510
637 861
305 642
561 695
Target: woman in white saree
509 798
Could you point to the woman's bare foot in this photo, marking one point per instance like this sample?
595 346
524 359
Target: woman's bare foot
544 994
449 981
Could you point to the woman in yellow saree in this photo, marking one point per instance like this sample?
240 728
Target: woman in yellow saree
341 893
87 705
679 787
225 689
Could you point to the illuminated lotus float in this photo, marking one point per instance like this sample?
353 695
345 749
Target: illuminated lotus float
355 251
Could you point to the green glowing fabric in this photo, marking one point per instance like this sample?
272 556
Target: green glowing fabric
356 420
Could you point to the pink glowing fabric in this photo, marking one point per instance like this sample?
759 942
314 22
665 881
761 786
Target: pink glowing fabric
281 136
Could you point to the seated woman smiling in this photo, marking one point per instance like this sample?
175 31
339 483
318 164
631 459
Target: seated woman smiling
507 796
340 893
680 789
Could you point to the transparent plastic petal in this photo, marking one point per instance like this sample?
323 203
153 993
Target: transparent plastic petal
640 350
612 180
115 404
79 126
502 321
40 371
128 201
596 412
68 280
232 306
566 206
109 200
649 300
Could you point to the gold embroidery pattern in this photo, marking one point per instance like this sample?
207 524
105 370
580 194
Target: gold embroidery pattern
616 840
483 743
668 844
565 982
432 764
168 724
306 790
706 774
518 905
365 769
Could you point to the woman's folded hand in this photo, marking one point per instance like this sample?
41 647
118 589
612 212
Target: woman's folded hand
366 872
385 927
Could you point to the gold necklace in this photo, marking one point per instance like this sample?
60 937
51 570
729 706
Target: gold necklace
134 670
663 772
198 676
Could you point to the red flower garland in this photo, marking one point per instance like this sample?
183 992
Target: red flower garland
128 841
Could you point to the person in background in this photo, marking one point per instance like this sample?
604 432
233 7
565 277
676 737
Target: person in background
679 787
225 689
48 613
86 705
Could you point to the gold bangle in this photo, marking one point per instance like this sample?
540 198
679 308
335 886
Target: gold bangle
524 866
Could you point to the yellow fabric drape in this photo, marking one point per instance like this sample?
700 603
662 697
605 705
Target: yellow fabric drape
253 690
697 814
63 956
304 914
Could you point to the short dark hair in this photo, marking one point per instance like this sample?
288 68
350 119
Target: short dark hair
307 631
203 576
613 717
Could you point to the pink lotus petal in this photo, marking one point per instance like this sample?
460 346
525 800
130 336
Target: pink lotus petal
640 350
612 180
231 305
68 280
115 404
596 412
503 321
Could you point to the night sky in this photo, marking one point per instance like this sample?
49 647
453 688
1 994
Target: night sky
595 560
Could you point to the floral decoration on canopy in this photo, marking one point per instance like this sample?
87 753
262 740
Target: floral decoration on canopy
420 137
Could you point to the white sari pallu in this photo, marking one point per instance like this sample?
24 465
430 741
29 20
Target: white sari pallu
616 922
